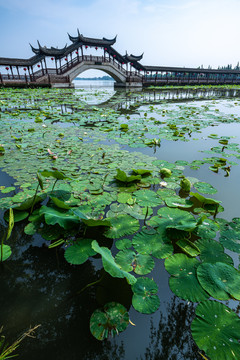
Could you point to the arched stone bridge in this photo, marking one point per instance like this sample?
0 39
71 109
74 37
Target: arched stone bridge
59 67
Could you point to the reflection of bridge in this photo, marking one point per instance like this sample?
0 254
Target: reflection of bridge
126 70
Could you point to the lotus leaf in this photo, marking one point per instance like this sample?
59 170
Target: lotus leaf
205 188
177 201
8 189
124 197
188 247
185 184
121 226
53 173
122 176
79 252
142 171
176 219
184 282
130 261
216 330
220 280
147 198
123 244
5 252
110 265
110 321
64 218
165 172
145 298
207 229
230 239
154 243
212 251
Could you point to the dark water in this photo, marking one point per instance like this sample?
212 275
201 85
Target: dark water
38 286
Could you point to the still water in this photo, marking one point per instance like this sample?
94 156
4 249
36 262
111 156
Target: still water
39 287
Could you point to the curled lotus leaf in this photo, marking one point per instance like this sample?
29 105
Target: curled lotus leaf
5 252
188 247
62 217
121 226
183 281
123 177
79 252
185 184
220 280
131 261
145 298
110 264
109 321
216 330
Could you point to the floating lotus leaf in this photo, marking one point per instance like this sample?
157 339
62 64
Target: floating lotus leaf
110 265
205 188
175 218
216 330
147 198
8 189
64 218
123 177
79 252
124 197
109 321
207 229
177 201
212 251
130 261
145 298
220 280
184 282
121 226
155 243
230 239
5 252
188 247
165 193
123 244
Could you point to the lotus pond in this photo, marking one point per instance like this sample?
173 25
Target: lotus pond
120 227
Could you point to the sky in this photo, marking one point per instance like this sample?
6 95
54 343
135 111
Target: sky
186 33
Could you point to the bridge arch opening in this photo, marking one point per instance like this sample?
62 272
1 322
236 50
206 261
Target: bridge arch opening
92 74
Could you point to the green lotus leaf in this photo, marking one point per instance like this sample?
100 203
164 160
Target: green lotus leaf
154 243
59 203
53 173
8 189
165 193
205 188
188 247
145 298
64 218
177 201
109 321
27 203
5 252
79 252
205 201
220 280
184 282
124 197
121 226
212 251
123 244
93 222
130 261
207 229
230 239
176 219
142 171
31 228
147 198
216 331
123 177
110 265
